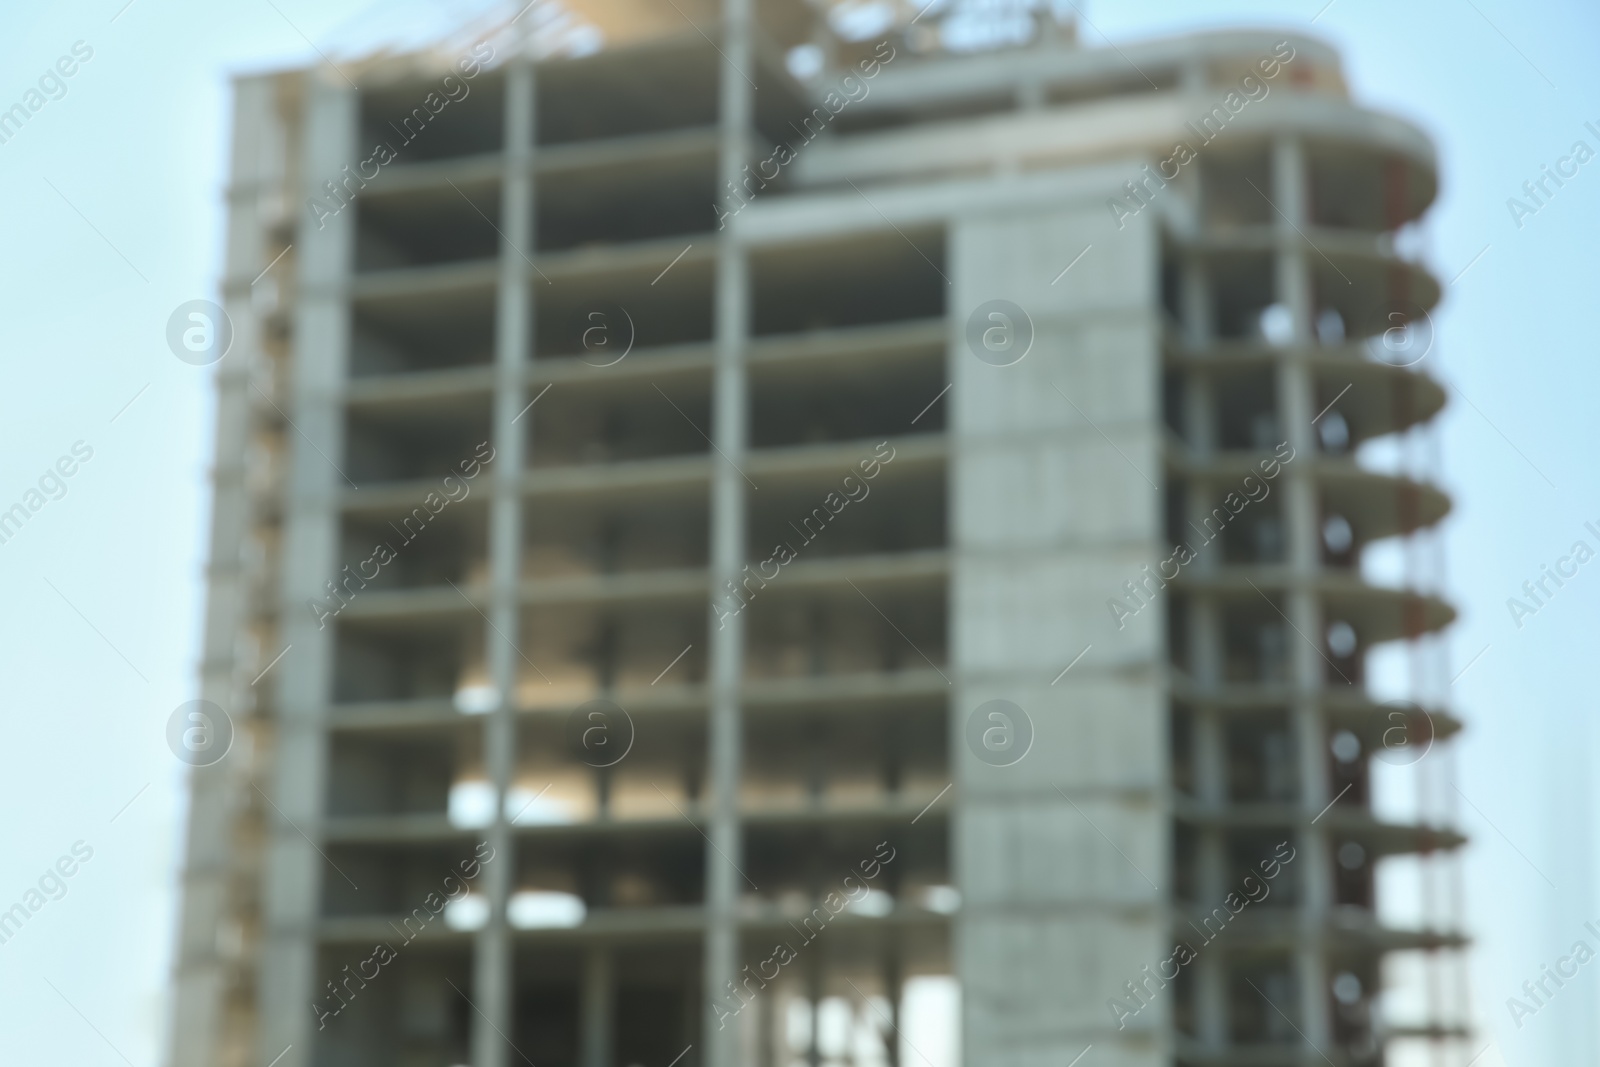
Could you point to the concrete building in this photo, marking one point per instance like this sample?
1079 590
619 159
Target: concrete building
748 547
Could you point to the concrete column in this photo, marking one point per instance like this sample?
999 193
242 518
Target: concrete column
894 992
813 1005
1205 639
294 872
203 970
767 1033
492 972
598 1008
1296 400
1211 972
729 399
1211 789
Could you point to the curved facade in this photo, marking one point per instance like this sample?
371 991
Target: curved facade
972 706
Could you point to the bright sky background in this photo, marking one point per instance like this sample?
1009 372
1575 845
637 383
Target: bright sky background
113 217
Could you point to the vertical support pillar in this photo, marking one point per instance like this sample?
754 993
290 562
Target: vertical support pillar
1205 637
1211 787
1194 77
294 870
1296 405
203 970
728 405
767 1033
598 1008
1211 971
492 976
814 991
893 991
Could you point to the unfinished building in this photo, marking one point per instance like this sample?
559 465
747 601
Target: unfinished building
643 470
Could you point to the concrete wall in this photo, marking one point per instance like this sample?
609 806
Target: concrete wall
1053 507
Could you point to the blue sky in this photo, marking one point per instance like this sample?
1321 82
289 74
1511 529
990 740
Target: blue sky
113 196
